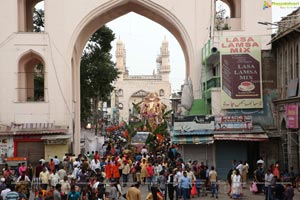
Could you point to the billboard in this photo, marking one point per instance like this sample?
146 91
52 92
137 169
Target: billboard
241 72
233 123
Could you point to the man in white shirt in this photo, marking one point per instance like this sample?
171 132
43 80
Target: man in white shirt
177 177
76 162
43 161
65 186
95 163
240 167
144 151
61 173
54 179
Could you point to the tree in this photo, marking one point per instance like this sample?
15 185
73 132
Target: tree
38 20
221 15
97 72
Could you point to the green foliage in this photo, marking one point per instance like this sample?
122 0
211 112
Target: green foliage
38 20
39 80
97 72
220 19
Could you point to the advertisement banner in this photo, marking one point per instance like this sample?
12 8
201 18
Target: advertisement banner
292 116
233 123
241 72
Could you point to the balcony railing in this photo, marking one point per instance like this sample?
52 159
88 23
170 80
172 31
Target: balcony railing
214 81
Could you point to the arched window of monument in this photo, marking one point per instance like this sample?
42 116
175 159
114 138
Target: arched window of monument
228 15
161 92
30 16
120 92
31 78
297 62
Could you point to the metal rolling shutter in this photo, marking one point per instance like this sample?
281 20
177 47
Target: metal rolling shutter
33 150
200 152
226 152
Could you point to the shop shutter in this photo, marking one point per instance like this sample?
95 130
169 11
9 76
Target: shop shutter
226 152
32 150
200 152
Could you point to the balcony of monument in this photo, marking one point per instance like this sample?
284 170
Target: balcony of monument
230 24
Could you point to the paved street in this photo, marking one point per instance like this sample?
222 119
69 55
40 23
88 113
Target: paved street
223 188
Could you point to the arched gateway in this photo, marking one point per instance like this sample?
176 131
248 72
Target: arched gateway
110 11
47 113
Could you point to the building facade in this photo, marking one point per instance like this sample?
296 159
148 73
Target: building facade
133 88
285 45
238 87
53 55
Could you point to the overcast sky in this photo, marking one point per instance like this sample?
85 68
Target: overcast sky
143 37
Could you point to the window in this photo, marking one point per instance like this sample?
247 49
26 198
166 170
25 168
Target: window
285 68
291 64
228 15
30 15
31 78
161 92
297 62
120 93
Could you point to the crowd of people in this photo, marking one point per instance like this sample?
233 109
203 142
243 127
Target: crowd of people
273 182
115 172
105 173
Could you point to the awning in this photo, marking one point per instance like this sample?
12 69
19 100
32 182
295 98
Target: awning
55 137
261 137
35 132
193 140
192 133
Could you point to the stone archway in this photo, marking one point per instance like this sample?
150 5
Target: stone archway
108 12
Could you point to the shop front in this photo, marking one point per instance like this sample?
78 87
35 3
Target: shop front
239 145
193 135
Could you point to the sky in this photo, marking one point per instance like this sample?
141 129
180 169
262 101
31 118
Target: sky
142 43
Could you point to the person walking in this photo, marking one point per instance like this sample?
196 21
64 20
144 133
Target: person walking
213 182
171 184
162 183
236 185
185 184
57 192
154 194
269 183
125 172
150 174
134 193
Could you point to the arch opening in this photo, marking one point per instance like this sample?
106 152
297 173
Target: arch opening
102 15
228 15
30 15
31 78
